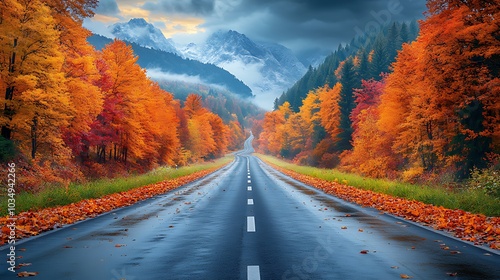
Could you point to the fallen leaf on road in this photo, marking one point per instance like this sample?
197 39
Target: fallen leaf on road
344 227
452 273
119 245
405 276
455 252
27 274
360 230
394 267
364 251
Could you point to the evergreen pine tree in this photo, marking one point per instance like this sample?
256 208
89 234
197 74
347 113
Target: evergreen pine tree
349 81
380 61
403 33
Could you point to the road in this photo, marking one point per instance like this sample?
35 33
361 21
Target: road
248 221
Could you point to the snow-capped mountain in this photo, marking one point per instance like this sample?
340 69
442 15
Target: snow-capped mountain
141 32
267 68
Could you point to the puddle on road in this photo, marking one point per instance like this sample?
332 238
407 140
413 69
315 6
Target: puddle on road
111 233
131 220
407 238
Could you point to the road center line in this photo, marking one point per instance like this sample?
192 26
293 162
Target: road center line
249 181
248 176
253 272
250 201
250 224
249 188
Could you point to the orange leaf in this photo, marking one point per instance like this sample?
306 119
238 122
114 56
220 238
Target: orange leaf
27 274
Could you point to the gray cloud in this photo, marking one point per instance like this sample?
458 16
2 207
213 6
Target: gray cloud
301 25
189 7
108 7
306 24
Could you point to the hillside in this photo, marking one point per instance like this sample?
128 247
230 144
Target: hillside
374 55
173 64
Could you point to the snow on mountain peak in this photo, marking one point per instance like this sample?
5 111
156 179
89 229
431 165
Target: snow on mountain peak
139 31
267 68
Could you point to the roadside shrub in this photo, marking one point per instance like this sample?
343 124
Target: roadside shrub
412 175
487 180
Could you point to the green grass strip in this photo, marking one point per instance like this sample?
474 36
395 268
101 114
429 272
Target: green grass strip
474 201
58 196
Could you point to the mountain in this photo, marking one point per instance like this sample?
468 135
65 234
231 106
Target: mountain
141 32
267 68
166 65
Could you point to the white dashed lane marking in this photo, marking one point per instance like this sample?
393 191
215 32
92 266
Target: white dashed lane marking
250 201
250 224
253 272
249 189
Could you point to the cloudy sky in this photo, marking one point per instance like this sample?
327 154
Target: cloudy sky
301 25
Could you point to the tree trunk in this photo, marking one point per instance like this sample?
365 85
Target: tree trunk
9 94
34 128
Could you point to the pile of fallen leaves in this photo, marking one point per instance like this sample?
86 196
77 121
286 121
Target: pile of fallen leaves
32 223
475 228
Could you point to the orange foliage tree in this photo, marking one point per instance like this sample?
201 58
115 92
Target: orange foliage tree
329 109
441 103
371 154
36 102
208 135
271 138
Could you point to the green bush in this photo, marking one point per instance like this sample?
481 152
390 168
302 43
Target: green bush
487 180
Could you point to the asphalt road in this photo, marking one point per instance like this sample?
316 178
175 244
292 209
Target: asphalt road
248 221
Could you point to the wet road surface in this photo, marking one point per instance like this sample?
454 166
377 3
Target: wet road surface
248 221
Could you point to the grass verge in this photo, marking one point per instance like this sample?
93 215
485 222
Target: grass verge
57 196
474 201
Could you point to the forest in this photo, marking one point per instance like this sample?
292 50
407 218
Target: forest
421 109
71 112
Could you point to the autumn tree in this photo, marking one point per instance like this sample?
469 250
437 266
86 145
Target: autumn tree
236 135
330 109
372 154
208 135
271 138
440 103
36 102
130 90
462 57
